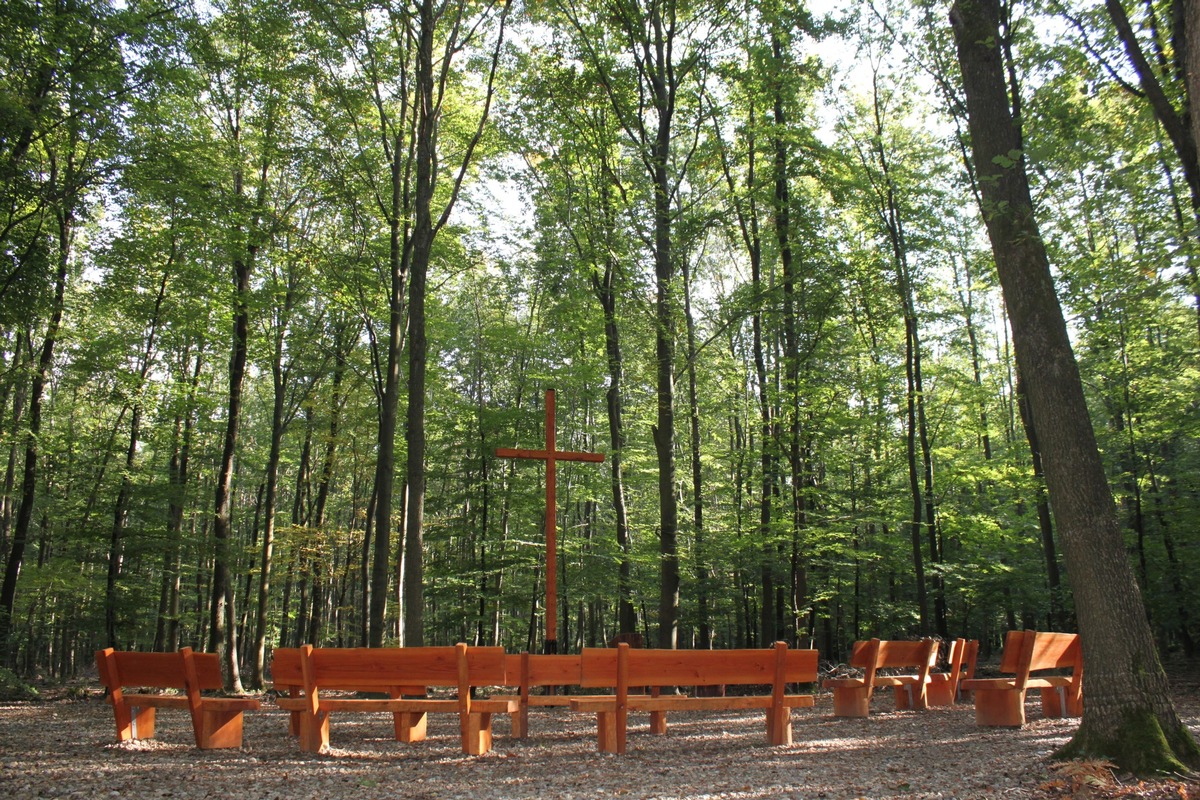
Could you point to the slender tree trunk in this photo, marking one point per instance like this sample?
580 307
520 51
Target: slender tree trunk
703 622
21 530
606 292
166 637
121 507
223 636
1128 717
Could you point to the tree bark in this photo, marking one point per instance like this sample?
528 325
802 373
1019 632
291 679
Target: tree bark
1128 717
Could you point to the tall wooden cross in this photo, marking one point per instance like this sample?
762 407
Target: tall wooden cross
551 455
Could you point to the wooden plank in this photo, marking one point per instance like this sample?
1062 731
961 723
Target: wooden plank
1054 651
155 700
380 704
695 667
161 670
900 654
597 704
208 671
367 668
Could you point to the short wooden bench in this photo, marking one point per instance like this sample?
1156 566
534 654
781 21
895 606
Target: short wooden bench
216 721
1001 701
308 674
623 667
852 696
943 689
529 671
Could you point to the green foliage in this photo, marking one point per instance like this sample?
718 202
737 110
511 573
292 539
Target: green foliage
12 688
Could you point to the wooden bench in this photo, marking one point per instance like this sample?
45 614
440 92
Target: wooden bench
216 721
852 696
1001 701
656 669
527 671
308 673
943 689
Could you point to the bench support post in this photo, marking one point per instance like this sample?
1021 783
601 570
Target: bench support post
851 701
779 726
606 731
1059 701
410 726
477 736
1000 707
134 722
941 690
220 728
314 732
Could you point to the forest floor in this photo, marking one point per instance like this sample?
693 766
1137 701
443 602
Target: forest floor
63 746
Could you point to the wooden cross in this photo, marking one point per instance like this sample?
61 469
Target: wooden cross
551 455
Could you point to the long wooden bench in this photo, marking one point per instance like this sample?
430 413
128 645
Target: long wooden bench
216 721
1001 701
852 696
308 674
943 687
619 669
528 671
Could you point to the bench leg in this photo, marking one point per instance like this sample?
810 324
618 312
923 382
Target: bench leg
779 726
909 698
520 723
410 726
220 729
938 692
1057 702
134 722
851 701
314 732
1000 708
606 731
477 734
658 722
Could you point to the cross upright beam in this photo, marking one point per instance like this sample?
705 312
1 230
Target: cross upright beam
551 455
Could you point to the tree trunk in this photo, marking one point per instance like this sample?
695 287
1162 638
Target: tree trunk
1128 717
223 637
606 293
20 536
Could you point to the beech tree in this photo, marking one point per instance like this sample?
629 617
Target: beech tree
1129 717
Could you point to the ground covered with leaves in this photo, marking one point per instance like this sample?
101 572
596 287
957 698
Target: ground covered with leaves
62 745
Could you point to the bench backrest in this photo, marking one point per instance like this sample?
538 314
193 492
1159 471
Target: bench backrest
1032 651
384 668
894 654
157 670
548 669
696 667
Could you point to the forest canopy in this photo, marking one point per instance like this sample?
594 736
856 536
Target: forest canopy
278 279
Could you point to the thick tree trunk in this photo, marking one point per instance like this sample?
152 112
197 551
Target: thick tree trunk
1128 716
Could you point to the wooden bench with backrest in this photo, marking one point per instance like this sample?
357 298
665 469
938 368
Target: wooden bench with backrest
1001 701
624 667
216 721
527 672
943 687
310 674
852 696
